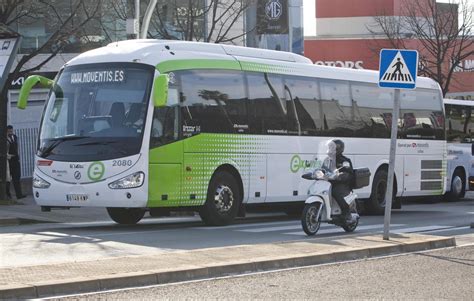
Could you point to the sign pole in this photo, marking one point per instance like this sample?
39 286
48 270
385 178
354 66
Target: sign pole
391 165
398 69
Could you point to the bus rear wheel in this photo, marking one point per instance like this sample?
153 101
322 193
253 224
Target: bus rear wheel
376 202
458 187
126 216
223 200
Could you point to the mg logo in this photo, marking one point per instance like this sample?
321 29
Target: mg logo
273 9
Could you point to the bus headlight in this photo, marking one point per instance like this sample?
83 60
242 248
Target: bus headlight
38 182
131 181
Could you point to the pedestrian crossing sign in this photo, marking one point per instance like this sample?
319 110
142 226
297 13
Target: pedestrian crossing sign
398 68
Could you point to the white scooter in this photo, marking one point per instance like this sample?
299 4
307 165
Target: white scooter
322 207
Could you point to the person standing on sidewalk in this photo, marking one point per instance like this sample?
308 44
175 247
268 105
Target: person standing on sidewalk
8 178
14 162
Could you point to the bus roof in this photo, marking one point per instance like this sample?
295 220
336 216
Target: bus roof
167 53
458 102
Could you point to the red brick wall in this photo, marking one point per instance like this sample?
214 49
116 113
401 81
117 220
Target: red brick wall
353 8
365 53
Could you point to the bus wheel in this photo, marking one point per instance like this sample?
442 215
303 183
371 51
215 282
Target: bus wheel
377 197
126 216
223 199
458 187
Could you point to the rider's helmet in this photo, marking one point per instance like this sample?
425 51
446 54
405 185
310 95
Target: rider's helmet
339 146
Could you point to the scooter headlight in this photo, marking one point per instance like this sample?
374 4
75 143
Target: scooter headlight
39 182
132 181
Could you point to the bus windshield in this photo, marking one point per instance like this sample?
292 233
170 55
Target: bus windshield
96 112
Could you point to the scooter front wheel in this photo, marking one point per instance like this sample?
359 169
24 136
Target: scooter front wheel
311 218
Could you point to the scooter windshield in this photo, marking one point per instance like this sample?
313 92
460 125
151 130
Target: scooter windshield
329 162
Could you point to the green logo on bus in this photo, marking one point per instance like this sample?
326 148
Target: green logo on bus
297 163
96 171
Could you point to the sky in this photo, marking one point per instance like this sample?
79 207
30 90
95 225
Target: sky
309 12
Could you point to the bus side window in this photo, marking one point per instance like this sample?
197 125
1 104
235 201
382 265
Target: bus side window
214 101
372 109
304 94
338 118
419 115
268 112
164 127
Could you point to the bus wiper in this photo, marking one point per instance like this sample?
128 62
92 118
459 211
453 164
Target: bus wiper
47 151
97 143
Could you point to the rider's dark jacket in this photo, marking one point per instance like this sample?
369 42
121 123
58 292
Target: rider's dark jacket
343 183
346 174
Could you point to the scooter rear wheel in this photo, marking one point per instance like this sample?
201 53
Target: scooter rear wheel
351 227
311 218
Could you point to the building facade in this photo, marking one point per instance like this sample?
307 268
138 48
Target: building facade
348 35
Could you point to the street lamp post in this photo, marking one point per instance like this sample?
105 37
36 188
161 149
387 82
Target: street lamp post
147 18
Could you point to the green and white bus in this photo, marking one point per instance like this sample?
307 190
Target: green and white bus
154 125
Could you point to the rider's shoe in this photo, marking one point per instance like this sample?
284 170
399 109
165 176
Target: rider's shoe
348 218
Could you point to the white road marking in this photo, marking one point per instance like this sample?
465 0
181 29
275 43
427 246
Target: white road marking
340 230
447 228
270 229
245 225
420 229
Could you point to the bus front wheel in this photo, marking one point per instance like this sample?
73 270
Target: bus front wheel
126 216
223 199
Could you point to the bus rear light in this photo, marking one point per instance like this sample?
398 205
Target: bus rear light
39 182
132 181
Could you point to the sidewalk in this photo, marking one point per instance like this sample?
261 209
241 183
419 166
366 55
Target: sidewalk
132 271
27 211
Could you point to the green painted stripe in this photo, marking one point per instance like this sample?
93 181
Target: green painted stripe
175 65
267 68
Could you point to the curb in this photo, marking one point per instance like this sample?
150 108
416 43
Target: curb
16 221
145 278
7 202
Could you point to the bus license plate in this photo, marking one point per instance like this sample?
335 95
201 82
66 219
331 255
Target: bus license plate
77 197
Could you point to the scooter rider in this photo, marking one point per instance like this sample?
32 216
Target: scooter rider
343 177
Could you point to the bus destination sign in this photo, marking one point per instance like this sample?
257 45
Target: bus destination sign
99 76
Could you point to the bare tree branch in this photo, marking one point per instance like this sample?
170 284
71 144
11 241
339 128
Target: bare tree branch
442 43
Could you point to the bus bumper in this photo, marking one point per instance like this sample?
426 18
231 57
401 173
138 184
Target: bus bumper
90 195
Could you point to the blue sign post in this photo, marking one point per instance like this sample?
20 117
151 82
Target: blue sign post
398 69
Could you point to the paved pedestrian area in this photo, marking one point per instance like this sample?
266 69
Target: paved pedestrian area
27 211
87 276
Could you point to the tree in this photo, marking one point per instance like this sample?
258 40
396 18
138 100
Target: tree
66 22
213 21
433 28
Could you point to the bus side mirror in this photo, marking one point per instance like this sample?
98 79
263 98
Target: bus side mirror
29 83
160 90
